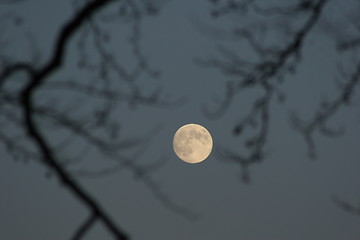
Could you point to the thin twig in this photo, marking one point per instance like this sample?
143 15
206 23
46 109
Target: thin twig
84 227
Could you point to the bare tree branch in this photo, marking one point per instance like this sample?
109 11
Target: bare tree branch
324 113
14 68
346 206
274 64
37 78
84 227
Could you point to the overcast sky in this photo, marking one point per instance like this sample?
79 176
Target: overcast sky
289 196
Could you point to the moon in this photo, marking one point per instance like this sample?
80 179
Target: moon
192 143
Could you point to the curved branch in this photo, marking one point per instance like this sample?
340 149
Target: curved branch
324 113
15 68
273 64
27 101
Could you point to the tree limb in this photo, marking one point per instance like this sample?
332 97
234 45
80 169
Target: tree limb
37 78
84 227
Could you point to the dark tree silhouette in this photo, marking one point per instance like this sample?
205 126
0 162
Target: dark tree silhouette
272 63
32 98
38 101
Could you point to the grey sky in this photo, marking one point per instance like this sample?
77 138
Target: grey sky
290 195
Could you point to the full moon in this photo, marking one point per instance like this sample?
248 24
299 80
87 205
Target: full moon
192 143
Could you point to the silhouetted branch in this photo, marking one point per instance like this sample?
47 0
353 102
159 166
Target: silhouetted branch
113 95
18 151
324 113
165 199
106 89
274 64
12 69
281 60
37 77
110 149
349 44
84 227
142 173
346 206
303 6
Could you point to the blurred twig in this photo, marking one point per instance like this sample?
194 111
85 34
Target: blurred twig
274 63
326 110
